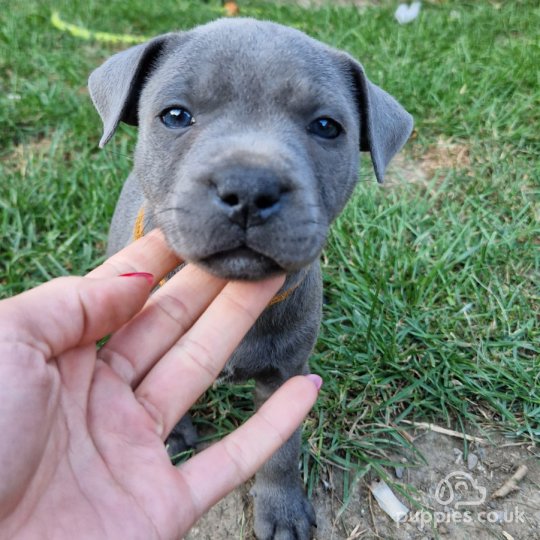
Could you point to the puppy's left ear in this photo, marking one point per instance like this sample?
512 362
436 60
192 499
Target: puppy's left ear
385 125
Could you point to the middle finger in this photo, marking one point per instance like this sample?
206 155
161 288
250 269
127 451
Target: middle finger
191 366
166 316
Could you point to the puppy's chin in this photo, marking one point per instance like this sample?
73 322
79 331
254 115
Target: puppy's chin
240 264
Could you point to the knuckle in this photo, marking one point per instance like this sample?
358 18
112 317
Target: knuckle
173 308
239 460
240 308
118 362
116 265
199 355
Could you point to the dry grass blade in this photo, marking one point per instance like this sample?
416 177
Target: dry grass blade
445 431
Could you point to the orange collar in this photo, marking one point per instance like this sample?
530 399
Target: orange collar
138 232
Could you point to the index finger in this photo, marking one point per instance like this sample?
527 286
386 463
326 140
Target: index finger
148 254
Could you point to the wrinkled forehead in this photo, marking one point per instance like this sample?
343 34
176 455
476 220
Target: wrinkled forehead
255 63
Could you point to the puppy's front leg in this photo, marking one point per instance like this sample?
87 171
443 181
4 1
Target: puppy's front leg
183 437
282 510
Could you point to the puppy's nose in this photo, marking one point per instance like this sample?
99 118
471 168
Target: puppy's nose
248 195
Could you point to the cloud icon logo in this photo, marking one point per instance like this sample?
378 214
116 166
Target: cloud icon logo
462 483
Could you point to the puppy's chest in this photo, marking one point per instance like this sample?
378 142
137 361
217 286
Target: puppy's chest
255 355
277 347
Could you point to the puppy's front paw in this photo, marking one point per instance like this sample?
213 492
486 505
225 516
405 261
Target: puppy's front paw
283 514
183 437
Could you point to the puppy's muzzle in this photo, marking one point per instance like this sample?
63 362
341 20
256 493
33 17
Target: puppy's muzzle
247 195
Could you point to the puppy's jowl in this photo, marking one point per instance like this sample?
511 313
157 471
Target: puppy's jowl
248 149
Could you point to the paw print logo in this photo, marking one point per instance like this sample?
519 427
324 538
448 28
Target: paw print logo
462 483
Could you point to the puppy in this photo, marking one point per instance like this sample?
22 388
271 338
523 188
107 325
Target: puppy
248 149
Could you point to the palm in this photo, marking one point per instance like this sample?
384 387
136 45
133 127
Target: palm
86 457
105 430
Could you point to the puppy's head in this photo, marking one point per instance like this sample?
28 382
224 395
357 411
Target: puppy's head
249 136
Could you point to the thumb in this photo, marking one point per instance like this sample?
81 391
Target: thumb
71 311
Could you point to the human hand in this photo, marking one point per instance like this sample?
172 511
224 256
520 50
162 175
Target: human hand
82 429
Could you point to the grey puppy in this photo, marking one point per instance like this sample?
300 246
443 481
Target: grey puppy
248 149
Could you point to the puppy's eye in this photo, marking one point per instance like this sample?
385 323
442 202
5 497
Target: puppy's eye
327 128
176 118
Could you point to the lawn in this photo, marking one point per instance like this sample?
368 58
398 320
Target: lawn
432 293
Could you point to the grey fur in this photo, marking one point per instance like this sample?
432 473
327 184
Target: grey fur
247 191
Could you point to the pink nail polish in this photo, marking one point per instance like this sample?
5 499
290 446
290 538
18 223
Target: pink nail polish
149 277
316 380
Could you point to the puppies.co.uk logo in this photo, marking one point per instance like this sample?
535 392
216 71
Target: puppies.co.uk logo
459 489
458 492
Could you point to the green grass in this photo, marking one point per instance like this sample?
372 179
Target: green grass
432 311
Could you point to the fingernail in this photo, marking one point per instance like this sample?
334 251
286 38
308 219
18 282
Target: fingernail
149 277
316 380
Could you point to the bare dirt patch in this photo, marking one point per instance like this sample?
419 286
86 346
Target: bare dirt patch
445 154
18 158
423 165
517 516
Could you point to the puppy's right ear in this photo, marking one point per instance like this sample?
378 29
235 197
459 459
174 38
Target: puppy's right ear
116 85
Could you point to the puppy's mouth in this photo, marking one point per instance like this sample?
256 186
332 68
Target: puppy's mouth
241 263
